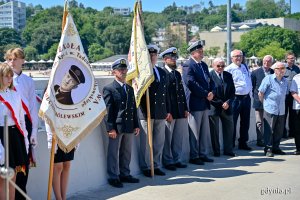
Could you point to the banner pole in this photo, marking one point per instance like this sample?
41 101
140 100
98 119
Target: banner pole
149 128
50 179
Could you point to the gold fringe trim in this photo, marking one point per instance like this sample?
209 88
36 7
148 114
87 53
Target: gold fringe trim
21 169
84 133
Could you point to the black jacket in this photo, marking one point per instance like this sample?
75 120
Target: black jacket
121 108
223 93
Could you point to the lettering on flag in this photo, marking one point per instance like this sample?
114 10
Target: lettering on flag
72 104
140 71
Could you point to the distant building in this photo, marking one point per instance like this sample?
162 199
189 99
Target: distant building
13 15
191 9
122 11
180 29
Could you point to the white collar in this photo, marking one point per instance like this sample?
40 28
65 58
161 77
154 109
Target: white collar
121 84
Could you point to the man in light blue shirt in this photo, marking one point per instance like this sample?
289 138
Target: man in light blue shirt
295 92
242 102
272 92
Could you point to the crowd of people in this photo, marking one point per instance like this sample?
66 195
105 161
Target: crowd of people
193 102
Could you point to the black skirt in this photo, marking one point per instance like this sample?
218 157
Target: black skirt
17 148
61 156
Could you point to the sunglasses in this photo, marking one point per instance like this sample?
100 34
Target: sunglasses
220 66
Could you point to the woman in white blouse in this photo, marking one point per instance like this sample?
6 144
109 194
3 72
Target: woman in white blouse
11 106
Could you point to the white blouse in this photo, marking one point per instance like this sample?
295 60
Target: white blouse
14 99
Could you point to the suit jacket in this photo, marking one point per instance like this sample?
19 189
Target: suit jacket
256 77
63 97
176 94
121 108
198 86
224 92
159 98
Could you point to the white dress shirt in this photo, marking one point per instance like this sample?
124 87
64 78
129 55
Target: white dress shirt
14 99
241 78
25 87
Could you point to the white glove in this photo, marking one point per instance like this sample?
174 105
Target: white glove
2 154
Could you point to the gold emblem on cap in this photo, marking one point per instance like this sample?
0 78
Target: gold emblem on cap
123 62
77 72
174 51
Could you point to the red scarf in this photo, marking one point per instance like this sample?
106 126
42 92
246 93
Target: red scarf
12 114
25 108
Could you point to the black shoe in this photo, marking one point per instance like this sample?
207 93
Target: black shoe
206 159
217 154
260 143
147 172
245 147
196 161
278 152
129 179
269 153
170 167
180 165
115 183
297 153
231 154
158 172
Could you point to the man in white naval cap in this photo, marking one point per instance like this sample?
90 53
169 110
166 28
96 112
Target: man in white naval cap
201 88
160 112
176 129
121 124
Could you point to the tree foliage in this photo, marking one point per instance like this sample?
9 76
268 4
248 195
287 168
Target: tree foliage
256 39
274 49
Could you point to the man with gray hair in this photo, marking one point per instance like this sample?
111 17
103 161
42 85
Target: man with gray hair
272 92
257 76
242 101
221 108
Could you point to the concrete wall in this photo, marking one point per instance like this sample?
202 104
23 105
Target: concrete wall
88 170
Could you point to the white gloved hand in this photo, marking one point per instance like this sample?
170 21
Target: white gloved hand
2 154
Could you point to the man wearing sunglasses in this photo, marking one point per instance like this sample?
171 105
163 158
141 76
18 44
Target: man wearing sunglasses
178 127
221 108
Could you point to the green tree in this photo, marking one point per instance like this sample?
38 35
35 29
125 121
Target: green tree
9 36
264 9
97 52
182 49
51 52
274 49
31 53
256 39
4 48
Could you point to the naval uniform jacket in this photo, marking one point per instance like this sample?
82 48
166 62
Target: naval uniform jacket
224 92
199 83
159 99
121 108
63 97
256 77
176 94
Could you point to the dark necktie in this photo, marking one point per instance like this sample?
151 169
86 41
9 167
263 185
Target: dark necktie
222 82
124 87
220 76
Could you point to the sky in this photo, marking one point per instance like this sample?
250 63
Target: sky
148 5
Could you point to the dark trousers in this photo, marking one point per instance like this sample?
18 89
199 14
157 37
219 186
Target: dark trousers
21 179
227 129
289 111
297 129
241 107
274 130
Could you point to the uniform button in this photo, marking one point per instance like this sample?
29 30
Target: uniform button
155 94
126 119
163 94
122 102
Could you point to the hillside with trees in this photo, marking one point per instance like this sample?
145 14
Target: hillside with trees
104 34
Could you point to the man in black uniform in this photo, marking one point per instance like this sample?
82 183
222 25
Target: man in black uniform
69 82
179 126
121 122
160 112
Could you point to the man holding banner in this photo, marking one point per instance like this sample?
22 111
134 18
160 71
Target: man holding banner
159 112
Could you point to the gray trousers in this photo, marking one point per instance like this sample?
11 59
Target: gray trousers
274 130
174 140
259 119
119 155
199 134
158 138
227 129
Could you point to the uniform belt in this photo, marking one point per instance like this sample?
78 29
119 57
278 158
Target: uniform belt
242 96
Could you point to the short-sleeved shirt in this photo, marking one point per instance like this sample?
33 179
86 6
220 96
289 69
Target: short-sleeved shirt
295 87
274 94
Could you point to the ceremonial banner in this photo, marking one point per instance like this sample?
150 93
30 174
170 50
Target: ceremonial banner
72 104
140 71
